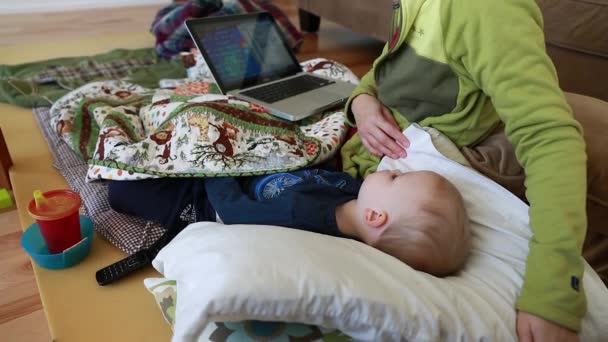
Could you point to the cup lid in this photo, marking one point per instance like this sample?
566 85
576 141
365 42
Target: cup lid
59 204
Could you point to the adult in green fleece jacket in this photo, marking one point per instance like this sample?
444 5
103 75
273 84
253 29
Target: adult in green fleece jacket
463 67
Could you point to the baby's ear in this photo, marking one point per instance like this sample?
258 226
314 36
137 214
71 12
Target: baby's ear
375 218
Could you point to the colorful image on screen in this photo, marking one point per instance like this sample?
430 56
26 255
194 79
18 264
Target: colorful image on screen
242 52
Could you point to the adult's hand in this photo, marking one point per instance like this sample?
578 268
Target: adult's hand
531 328
377 128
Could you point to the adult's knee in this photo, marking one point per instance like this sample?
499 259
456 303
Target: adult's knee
592 113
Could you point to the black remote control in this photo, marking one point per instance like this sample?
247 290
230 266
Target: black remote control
134 262
123 267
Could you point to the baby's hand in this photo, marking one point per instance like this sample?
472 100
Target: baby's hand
378 129
531 328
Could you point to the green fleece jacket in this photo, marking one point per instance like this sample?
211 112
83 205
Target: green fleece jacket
462 66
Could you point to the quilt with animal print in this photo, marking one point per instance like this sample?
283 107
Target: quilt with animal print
128 132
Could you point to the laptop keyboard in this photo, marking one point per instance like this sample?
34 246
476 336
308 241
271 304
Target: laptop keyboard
278 91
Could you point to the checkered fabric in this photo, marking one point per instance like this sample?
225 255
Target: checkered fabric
128 233
88 70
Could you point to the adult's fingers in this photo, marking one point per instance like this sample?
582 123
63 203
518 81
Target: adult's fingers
391 127
389 146
525 335
393 139
368 146
524 330
376 148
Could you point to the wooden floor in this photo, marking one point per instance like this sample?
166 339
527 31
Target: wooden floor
333 41
21 315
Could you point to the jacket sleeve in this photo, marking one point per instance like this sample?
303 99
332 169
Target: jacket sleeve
234 206
500 46
307 206
366 86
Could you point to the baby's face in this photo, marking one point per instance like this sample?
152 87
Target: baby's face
403 195
395 191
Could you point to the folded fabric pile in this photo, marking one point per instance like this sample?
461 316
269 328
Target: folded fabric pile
172 36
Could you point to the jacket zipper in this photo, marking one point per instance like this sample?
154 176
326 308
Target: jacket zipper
395 30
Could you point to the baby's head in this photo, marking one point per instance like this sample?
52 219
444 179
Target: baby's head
417 217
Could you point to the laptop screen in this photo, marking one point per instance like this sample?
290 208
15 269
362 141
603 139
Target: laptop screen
243 50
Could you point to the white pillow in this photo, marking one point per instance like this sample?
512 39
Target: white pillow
246 272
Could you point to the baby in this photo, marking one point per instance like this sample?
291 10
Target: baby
417 217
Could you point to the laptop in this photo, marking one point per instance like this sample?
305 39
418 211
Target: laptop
250 59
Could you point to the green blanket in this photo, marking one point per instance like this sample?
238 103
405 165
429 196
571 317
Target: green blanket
42 83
